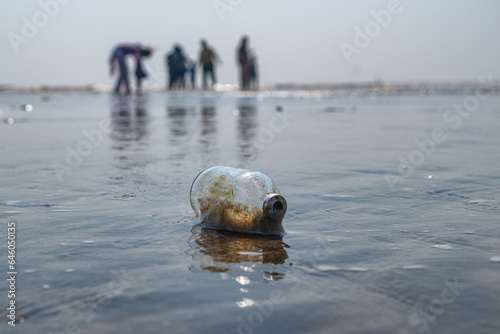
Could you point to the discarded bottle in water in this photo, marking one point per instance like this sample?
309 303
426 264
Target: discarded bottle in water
238 200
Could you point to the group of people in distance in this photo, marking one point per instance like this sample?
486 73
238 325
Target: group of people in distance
179 65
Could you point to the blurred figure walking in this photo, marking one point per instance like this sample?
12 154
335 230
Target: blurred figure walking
242 58
118 56
248 65
176 62
208 59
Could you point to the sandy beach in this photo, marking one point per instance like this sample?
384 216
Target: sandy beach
392 223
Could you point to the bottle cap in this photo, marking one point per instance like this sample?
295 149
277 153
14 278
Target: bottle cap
275 206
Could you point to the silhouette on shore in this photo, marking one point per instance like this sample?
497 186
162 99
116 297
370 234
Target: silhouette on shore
253 79
208 59
119 56
243 61
248 65
191 69
177 67
179 64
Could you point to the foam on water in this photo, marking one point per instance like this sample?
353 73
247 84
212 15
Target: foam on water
446 247
413 266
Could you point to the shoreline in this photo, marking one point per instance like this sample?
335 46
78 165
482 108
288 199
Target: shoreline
329 89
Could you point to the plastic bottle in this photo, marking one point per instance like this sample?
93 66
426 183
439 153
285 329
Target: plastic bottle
238 200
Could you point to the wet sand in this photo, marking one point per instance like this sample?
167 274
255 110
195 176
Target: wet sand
392 221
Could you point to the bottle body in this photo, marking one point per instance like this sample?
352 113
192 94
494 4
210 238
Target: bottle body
238 200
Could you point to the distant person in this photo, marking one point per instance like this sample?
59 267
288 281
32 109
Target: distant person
176 62
253 79
140 74
118 56
191 69
242 57
208 59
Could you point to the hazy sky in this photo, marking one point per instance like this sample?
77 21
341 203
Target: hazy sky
295 40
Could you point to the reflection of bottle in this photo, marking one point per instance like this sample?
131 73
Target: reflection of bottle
238 200
221 251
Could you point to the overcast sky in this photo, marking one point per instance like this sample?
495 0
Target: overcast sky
295 40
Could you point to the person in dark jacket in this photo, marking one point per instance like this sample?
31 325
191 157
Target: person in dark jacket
176 62
244 63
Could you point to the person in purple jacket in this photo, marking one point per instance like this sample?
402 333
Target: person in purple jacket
118 56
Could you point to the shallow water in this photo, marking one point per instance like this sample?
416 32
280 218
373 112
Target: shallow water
107 242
